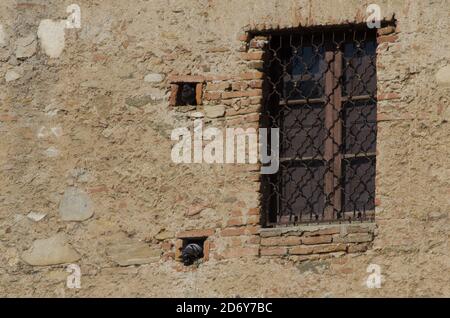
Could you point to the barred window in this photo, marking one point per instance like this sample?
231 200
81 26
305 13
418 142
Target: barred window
321 94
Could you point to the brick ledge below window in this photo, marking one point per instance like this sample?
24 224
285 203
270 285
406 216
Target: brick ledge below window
317 239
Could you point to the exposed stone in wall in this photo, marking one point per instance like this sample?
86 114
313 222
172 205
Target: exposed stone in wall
51 251
52 37
26 46
108 90
443 76
75 205
13 74
154 78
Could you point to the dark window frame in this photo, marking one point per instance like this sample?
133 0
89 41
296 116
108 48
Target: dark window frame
335 99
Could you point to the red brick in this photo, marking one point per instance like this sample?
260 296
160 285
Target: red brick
252 56
178 244
359 229
173 94
241 120
198 93
186 78
255 100
233 231
301 250
242 230
236 221
257 65
281 241
239 86
178 247
386 30
8 117
354 238
346 270
169 255
26 133
98 189
255 239
358 248
273 251
243 37
256 84
326 231
122 205
322 239
99 58
34 6
253 211
252 75
216 77
236 86
221 86
206 250
252 118
244 102
166 246
251 229
236 212
388 96
235 242
243 111
377 201
212 95
195 209
196 233
257 44
241 204
253 219
242 47
237 94
329 248
387 38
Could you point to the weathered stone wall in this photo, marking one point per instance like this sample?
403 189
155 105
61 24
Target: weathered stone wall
87 177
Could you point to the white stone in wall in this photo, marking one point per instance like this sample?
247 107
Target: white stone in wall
36 216
26 46
197 115
443 76
51 251
57 131
154 78
12 75
75 205
52 152
52 37
3 37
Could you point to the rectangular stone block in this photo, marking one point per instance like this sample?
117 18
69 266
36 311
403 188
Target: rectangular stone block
273 251
322 239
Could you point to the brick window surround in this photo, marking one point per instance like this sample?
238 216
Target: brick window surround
321 94
243 232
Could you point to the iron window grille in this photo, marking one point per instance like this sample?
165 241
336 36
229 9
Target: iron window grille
320 91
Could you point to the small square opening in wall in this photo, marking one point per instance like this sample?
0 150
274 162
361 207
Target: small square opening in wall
186 91
186 94
192 250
